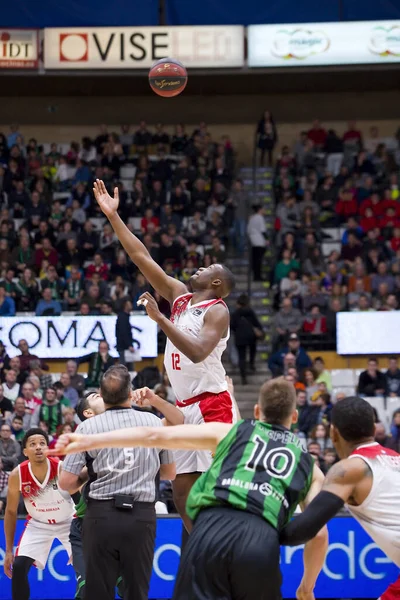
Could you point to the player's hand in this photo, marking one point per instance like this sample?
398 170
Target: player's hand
144 397
108 205
231 387
151 306
70 443
8 564
304 593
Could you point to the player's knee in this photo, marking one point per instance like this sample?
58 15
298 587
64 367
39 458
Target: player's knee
21 566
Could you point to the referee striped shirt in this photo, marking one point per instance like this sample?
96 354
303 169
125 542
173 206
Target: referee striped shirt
125 471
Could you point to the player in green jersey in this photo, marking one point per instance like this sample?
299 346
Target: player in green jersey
260 473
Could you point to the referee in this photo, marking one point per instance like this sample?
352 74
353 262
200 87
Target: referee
120 523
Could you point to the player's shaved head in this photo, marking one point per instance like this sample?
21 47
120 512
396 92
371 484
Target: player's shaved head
354 419
277 401
216 277
116 385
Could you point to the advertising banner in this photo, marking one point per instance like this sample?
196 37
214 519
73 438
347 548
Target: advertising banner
354 566
368 332
307 44
19 49
140 47
72 337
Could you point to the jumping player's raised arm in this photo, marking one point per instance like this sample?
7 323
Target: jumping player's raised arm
185 437
168 287
10 519
340 486
315 550
216 325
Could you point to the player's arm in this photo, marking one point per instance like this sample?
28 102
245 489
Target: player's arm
145 397
70 482
10 519
315 550
216 324
339 485
185 437
166 286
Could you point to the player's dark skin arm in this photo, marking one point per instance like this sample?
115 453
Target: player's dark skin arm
348 481
168 287
10 520
216 324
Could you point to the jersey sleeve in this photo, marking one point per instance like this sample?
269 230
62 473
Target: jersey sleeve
74 463
166 457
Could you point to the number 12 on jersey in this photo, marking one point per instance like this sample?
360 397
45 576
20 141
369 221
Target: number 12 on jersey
176 360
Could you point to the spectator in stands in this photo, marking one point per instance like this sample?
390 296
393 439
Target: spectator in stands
15 365
314 297
312 389
320 434
3 486
36 369
50 412
23 256
98 266
76 381
88 240
382 437
290 287
302 360
308 414
10 450
20 411
46 252
372 382
382 276
7 304
334 151
73 289
123 332
315 323
17 432
47 306
93 299
247 330
99 362
323 376
11 387
392 376
288 320
285 265
314 266
317 134
28 394
354 297
27 291
6 406
69 391
53 281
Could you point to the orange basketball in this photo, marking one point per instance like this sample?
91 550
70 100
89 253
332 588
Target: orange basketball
168 77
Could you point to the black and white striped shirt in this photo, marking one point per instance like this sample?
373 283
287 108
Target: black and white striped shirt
127 471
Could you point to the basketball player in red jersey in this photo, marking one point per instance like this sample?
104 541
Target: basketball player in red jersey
197 336
50 512
367 479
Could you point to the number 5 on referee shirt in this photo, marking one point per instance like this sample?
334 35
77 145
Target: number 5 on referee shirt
176 360
129 457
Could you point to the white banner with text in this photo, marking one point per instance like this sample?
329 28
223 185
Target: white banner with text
140 47
72 337
19 49
306 44
368 332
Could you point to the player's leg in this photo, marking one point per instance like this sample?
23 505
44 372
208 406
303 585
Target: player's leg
19 583
100 549
34 547
254 568
181 489
78 561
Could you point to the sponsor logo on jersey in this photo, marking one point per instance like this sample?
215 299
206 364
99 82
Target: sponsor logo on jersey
27 488
197 312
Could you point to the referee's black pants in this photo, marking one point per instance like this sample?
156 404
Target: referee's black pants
118 542
230 555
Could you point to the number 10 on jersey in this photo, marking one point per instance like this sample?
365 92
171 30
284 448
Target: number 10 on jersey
176 360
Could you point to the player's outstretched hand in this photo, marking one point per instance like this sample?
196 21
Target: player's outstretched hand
151 306
304 594
144 397
108 205
70 443
8 563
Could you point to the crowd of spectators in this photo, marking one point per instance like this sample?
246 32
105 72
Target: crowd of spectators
330 181
179 194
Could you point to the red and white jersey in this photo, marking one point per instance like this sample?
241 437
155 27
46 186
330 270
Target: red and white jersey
380 511
188 379
45 502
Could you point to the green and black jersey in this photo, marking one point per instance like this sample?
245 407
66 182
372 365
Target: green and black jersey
260 468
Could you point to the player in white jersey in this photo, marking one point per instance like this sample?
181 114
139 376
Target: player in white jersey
50 512
197 335
367 479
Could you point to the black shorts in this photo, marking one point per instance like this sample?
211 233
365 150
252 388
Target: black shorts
230 555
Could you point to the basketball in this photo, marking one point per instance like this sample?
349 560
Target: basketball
168 77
